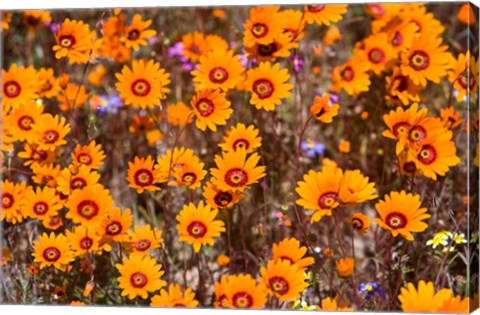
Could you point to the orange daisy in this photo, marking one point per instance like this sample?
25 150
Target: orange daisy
74 40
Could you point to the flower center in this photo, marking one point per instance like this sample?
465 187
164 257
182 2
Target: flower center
12 89
376 55
279 285
114 228
357 224
218 75
140 87
86 243
7 200
223 198
419 60
400 83
316 8
189 178
84 158
400 128
205 107
396 220
67 41
138 280
87 209
267 50
39 155
142 245
50 136
51 254
47 86
241 144
427 155
347 74
25 123
465 82
417 134
409 167
263 88
418 24
143 177
397 39
133 34
236 177
77 183
259 30
197 229
290 260
242 300
40 208
327 200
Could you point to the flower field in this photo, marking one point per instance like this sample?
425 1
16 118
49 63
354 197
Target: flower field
317 157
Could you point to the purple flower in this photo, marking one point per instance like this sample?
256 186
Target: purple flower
109 104
297 63
369 289
176 50
313 148
54 27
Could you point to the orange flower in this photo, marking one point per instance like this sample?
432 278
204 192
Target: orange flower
74 40
466 14
345 267
137 32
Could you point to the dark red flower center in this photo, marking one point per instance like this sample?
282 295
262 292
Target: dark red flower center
140 87
376 55
396 220
259 30
25 123
327 200
427 155
397 39
409 167
114 228
197 229
40 208
347 74
138 280
400 128
50 136
417 134
84 158
142 245
7 200
189 178
66 41
400 83
12 89
290 260
223 198
205 107
357 224
143 177
267 50
218 75
77 183
263 88
242 300
279 285
236 177
241 144
87 209
314 8
133 34
419 60
51 254
86 242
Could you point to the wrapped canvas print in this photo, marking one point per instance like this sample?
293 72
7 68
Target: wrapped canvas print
280 157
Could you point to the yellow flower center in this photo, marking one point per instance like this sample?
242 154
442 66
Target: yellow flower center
87 209
143 177
419 60
218 75
7 200
189 178
242 300
140 87
259 30
427 155
279 285
263 88
327 200
25 123
114 228
240 144
67 41
396 220
84 158
50 136
142 245
138 280
133 34
51 254
40 208
236 177
86 243
205 107
197 229
11 88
